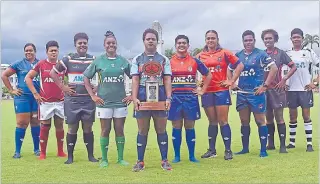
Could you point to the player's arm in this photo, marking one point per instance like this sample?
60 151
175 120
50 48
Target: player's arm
167 82
270 66
287 61
204 71
127 99
88 74
5 78
29 77
315 62
134 72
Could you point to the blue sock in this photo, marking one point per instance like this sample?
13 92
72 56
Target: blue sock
35 132
226 136
141 146
245 131
19 136
191 141
212 134
263 134
163 145
176 140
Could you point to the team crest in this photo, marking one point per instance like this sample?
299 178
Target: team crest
190 69
260 106
219 59
112 65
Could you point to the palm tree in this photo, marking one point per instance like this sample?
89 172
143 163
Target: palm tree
309 39
169 53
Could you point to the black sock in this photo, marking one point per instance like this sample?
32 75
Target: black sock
71 143
88 141
282 134
271 129
212 134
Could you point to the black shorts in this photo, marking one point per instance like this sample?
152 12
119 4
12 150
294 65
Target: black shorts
79 108
304 99
276 99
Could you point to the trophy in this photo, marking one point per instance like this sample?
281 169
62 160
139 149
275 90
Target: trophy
152 69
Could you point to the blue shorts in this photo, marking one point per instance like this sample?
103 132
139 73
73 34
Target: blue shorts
150 113
184 106
25 104
256 103
216 98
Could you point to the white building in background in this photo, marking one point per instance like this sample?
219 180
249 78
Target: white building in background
13 79
156 26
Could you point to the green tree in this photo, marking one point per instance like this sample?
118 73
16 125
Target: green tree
309 39
169 53
196 51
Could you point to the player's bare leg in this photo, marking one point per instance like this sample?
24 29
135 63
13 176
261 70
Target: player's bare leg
281 129
118 124
176 139
35 132
44 134
88 139
71 140
58 123
212 132
23 120
260 119
245 129
222 117
142 139
190 138
308 128
293 112
271 128
160 124
104 140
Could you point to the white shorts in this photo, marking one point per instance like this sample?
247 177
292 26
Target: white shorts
107 113
48 109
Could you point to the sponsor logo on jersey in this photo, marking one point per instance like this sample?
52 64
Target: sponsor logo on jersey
50 80
75 78
188 78
215 69
120 78
247 73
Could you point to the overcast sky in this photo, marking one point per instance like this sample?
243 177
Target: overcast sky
39 22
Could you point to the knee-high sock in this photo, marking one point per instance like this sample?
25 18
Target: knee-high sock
88 139
163 145
120 147
212 135
245 135
292 132
191 141
104 144
60 140
271 130
263 134
44 134
141 146
71 143
176 141
282 134
19 136
35 132
308 131
226 136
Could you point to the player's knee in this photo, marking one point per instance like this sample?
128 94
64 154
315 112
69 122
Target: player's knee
105 132
87 127
222 123
23 123
279 119
73 129
189 125
119 132
260 122
177 125
306 117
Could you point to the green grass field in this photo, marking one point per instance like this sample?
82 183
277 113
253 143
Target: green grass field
297 166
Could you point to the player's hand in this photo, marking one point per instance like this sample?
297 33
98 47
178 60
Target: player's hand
198 91
168 104
281 86
16 92
310 87
234 87
136 104
38 98
260 90
67 89
97 100
127 100
226 83
94 88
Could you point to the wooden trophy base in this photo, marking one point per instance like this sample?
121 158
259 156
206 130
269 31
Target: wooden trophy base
144 106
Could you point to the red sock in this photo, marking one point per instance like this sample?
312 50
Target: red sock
60 137
44 134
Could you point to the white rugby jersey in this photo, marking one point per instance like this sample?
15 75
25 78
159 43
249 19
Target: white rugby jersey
305 60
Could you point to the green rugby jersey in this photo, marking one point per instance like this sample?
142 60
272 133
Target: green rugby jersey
111 87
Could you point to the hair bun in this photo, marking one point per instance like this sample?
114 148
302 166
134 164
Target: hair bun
109 33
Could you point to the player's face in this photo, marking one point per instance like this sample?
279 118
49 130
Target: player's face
182 46
268 40
30 53
150 42
248 42
52 53
110 45
82 46
296 40
211 40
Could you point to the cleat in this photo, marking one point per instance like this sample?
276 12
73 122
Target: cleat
165 165
193 159
104 164
242 152
228 155
176 160
37 153
42 156
139 166
309 148
283 150
291 146
92 159
209 154
69 161
123 163
271 147
263 154
62 154
16 155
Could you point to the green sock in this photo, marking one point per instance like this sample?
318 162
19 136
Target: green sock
104 143
120 147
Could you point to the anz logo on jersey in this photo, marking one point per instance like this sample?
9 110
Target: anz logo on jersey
248 73
50 80
215 69
120 78
187 79
301 65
